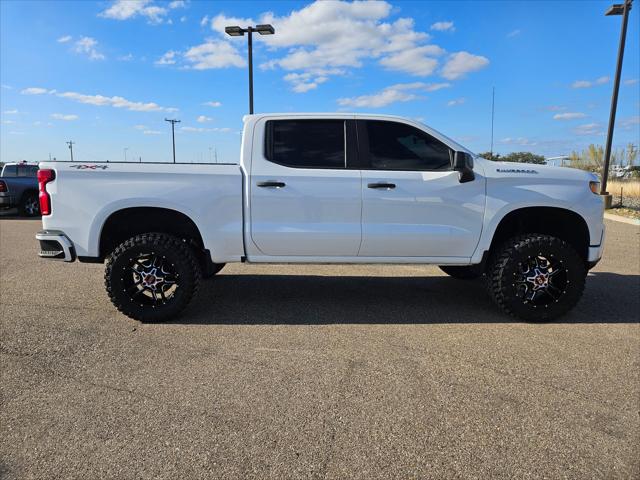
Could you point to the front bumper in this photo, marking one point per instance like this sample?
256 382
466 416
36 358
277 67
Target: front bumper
55 245
596 251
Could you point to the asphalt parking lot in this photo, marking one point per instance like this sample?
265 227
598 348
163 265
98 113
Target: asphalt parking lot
316 372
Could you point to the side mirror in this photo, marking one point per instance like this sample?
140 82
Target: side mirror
463 164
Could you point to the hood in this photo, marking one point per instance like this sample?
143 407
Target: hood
532 171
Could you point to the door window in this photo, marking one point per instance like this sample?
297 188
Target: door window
397 146
306 143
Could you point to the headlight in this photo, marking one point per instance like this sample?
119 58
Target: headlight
595 187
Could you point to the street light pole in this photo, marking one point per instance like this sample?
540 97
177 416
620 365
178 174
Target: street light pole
173 135
125 153
236 31
618 9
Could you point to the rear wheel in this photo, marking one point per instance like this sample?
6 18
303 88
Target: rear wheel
30 205
536 277
462 272
152 277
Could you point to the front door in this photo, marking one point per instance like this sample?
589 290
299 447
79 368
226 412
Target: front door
304 199
413 204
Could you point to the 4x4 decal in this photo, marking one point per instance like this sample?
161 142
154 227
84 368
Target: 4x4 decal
88 167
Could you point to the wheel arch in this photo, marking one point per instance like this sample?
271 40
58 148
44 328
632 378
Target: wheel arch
556 221
125 223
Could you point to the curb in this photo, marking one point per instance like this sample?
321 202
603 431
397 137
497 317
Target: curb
619 218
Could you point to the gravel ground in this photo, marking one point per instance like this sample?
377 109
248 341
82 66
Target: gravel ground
316 372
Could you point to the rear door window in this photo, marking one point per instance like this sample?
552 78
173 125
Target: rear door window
306 143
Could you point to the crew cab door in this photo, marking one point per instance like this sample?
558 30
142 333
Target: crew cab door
304 201
413 204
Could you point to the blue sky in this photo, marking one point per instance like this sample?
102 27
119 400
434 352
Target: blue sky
106 74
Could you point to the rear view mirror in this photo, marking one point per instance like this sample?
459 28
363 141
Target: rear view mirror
463 164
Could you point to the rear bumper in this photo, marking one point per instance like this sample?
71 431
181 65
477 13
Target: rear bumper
55 245
6 200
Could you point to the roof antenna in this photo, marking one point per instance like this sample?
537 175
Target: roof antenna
493 104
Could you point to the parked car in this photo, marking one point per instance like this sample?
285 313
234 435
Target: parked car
19 188
328 188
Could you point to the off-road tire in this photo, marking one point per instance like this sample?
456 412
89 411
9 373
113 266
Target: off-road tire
29 205
181 259
462 272
513 254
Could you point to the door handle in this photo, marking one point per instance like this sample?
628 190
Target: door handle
382 185
271 184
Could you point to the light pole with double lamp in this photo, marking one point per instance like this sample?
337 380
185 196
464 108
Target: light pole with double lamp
617 9
239 32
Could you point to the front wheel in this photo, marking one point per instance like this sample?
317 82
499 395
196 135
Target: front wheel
536 277
152 277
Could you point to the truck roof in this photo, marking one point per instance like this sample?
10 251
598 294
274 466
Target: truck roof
363 116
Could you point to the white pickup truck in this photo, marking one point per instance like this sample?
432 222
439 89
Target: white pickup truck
327 188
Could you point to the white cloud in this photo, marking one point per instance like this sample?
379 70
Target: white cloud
334 36
521 141
61 116
126 9
213 54
402 92
460 63
10 112
443 26
589 83
630 81
589 129
152 132
101 100
204 119
203 130
168 58
64 39
6 87
204 21
126 58
8 122
555 108
457 101
87 46
177 4
514 33
303 82
416 61
115 101
35 91
630 122
140 127
569 116
213 104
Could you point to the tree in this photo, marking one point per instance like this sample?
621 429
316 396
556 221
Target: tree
524 157
491 156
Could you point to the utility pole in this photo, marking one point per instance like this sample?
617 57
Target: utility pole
493 105
125 153
618 9
173 135
71 144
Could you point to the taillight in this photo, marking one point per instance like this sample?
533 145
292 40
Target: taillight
45 176
3 186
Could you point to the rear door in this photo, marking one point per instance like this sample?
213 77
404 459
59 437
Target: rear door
304 200
413 204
